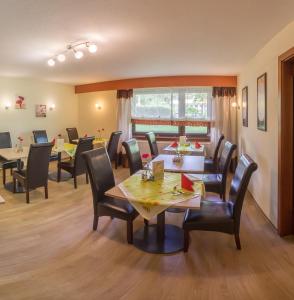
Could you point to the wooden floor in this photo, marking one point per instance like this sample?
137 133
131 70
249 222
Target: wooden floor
49 251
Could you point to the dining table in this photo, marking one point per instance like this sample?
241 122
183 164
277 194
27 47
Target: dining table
17 155
188 149
160 238
97 142
186 163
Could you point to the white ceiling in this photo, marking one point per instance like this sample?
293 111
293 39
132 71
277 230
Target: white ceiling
136 38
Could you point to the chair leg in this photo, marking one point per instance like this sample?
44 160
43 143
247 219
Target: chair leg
130 232
11 170
146 222
237 241
4 176
14 185
95 222
75 182
46 191
87 178
27 195
186 240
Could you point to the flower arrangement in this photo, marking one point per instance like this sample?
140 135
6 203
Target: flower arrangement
147 174
100 131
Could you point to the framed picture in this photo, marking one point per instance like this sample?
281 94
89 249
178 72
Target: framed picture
261 103
41 111
20 102
245 106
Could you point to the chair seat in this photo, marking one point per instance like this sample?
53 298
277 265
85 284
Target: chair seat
53 157
67 163
212 216
120 206
212 179
209 165
10 164
20 175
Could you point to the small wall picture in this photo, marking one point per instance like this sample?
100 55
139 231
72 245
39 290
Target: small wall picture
261 103
245 106
20 102
41 111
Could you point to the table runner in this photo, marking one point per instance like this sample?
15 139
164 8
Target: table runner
69 149
150 198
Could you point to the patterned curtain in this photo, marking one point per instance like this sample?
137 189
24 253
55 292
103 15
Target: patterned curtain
124 98
224 114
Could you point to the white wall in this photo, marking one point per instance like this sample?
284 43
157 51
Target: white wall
21 122
263 146
91 119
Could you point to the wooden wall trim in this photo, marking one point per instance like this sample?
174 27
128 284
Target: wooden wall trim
166 81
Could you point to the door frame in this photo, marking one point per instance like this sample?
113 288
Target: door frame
285 145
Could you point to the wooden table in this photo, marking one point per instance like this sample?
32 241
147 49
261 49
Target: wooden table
189 163
159 238
12 154
190 150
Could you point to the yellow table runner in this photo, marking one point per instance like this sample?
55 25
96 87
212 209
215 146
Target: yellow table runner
68 148
100 141
150 198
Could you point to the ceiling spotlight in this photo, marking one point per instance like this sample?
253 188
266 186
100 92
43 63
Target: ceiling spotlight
61 57
92 48
51 62
78 54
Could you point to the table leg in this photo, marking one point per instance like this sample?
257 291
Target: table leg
9 185
64 175
159 238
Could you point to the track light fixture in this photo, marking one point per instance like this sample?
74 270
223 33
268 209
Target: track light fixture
76 49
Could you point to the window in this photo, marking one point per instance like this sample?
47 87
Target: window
172 112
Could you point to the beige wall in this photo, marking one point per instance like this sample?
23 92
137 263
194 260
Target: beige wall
262 146
91 119
21 122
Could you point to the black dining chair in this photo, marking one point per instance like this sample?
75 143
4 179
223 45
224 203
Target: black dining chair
73 135
40 137
151 138
112 147
5 142
133 155
36 173
77 165
222 216
102 179
217 182
210 164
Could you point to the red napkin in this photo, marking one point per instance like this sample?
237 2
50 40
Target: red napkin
187 184
53 142
174 144
197 145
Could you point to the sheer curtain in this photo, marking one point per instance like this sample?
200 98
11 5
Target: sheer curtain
124 98
224 114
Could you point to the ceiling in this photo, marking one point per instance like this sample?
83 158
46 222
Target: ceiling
136 38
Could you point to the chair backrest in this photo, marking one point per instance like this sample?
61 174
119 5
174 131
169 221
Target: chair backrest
100 172
5 140
216 151
113 144
72 134
84 144
133 155
226 157
245 168
151 138
38 164
40 136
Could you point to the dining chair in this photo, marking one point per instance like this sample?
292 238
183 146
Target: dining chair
112 147
72 135
222 216
151 138
133 155
217 182
101 178
36 173
40 137
210 164
5 142
77 165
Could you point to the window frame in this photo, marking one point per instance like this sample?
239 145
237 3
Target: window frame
181 122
